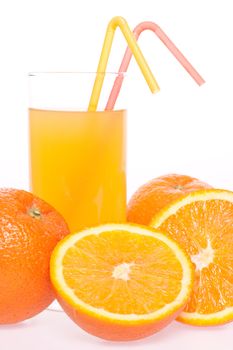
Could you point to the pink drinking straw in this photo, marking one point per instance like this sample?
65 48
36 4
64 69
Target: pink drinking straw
128 55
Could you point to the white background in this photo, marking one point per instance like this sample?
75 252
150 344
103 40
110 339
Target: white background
183 129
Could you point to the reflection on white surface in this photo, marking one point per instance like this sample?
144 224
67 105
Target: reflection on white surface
55 306
55 331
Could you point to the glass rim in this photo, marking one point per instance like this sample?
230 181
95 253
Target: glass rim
73 73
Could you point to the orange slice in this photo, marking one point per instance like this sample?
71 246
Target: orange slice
121 281
202 223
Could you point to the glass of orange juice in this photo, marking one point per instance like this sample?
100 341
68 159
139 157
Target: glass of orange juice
77 158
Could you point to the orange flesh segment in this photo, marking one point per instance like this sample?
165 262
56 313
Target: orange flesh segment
205 230
150 278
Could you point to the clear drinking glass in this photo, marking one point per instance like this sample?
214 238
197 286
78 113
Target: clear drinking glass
77 158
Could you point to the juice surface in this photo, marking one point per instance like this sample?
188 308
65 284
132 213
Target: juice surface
78 164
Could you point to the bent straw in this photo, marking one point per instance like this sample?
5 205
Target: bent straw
132 43
128 55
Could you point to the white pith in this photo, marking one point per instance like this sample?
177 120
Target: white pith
122 271
204 257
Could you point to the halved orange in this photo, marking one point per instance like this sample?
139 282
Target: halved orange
202 223
121 281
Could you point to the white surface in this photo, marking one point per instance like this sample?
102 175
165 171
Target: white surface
183 129
55 331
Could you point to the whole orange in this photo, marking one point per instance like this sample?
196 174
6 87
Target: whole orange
159 192
29 230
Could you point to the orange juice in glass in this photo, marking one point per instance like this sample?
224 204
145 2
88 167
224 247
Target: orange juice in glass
77 158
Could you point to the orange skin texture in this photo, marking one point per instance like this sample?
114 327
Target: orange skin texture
27 239
105 329
151 197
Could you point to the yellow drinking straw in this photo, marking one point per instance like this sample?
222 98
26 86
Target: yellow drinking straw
132 43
